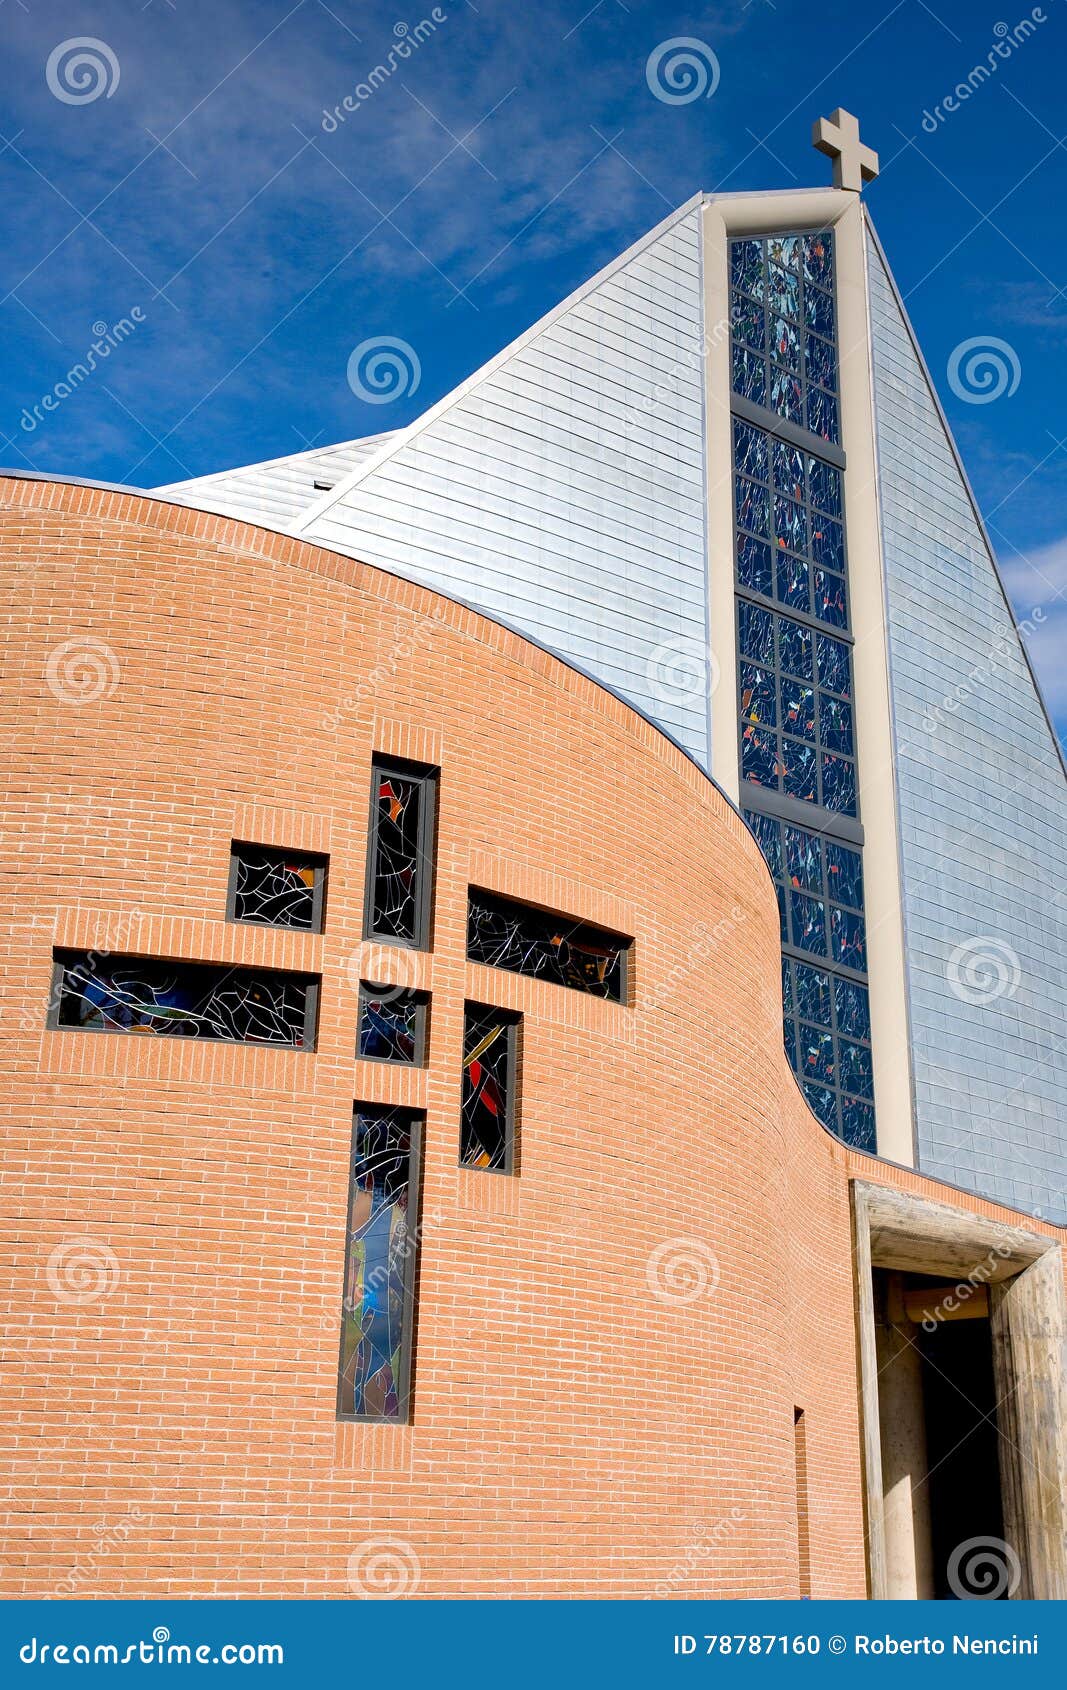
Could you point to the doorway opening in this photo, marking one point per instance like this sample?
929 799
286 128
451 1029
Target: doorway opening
937 1401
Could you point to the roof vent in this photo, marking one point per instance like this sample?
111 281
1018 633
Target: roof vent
324 486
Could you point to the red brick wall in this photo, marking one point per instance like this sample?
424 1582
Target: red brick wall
577 1428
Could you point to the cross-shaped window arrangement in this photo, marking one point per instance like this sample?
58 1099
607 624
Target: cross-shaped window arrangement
383 1234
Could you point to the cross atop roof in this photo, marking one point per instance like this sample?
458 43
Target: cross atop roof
839 138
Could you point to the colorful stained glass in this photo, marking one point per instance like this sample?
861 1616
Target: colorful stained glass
835 724
783 291
755 566
834 665
839 785
785 343
749 323
797 732
830 603
798 709
828 543
379 1266
814 999
750 450
769 837
853 1008
822 414
790 524
823 1103
751 502
794 648
189 1000
803 851
857 1125
849 939
487 1109
392 1024
799 771
824 484
808 923
782 303
818 258
750 375
815 1050
786 250
275 888
819 312
401 831
505 934
756 632
787 394
746 266
856 1073
844 871
821 361
789 469
759 757
794 587
757 695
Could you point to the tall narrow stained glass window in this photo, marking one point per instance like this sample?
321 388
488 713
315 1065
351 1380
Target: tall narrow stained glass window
797 749
490 1062
379 1283
400 856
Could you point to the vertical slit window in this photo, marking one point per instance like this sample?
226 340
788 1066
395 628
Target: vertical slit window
490 1069
378 1298
400 857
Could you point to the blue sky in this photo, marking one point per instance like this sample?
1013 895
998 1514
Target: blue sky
513 153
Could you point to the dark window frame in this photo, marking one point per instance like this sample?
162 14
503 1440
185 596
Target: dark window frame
513 1020
317 860
64 957
421 1001
589 931
426 776
416 1126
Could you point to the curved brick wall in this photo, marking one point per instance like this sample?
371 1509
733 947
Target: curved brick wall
575 1432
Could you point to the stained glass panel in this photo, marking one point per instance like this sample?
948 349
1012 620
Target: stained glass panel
392 1024
379 1265
400 871
505 934
487 1133
276 889
190 1000
783 328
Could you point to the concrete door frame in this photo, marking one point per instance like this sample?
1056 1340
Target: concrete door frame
1028 1320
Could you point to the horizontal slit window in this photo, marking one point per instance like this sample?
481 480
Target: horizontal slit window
190 1000
506 934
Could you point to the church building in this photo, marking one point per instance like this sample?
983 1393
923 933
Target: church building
535 997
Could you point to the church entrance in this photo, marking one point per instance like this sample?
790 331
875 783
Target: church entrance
941 1478
961 1326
